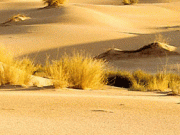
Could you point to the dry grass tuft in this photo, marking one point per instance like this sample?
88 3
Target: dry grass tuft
56 71
54 3
14 72
11 74
27 65
142 81
77 71
130 2
174 83
16 18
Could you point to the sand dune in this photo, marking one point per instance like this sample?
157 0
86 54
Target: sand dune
87 112
93 26
90 27
156 49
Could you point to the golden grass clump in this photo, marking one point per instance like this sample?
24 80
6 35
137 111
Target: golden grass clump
54 2
27 65
77 71
14 72
86 72
11 74
56 71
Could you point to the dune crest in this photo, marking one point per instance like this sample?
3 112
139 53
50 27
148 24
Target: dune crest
153 49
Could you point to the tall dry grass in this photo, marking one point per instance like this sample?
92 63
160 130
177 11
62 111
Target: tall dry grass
57 72
14 72
11 74
77 71
142 81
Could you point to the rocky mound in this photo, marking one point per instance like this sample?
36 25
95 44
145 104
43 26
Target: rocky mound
153 49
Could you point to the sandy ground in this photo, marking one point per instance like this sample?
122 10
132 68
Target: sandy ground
93 27
73 112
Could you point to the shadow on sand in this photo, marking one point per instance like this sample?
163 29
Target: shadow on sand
21 88
96 48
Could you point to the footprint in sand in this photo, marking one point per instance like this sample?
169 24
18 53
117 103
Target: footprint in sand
8 109
102 111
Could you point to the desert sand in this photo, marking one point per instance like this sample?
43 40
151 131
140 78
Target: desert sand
111 111
93 27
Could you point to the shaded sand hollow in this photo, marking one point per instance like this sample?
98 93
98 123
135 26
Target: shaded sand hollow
93 27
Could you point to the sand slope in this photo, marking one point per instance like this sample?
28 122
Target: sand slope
92 26
82 26
88 112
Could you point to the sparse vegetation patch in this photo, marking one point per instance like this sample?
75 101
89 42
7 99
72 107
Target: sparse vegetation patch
15 18
83 72
54 3
142 81
130 2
